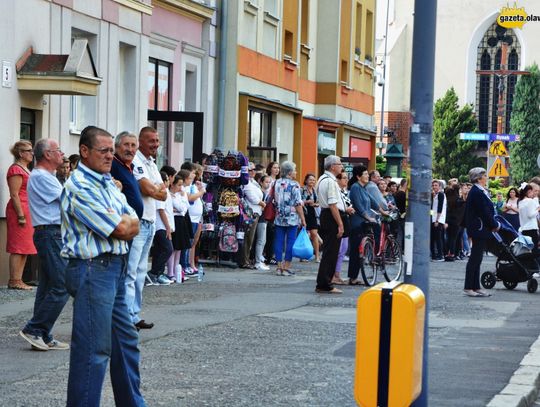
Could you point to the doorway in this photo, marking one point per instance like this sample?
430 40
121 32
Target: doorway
178 124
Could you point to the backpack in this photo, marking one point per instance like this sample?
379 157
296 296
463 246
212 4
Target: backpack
228 242
229 171
229 202
211 170
244 168
247 217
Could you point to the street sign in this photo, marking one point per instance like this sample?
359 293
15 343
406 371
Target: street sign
497 148
474 136
498 169
488 137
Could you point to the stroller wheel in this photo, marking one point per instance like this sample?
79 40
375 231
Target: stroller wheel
488 280
532 285
510 284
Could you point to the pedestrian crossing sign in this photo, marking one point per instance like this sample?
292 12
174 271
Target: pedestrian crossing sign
498 169
497 148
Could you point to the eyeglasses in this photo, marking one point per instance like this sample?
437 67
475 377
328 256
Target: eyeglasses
27 151
251 169
104 150
55 151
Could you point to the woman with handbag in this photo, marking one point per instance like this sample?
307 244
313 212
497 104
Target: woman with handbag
289 216
342 180
309 196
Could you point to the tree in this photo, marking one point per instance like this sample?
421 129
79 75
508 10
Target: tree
525 122
453 157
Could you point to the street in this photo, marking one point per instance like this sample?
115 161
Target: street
250 338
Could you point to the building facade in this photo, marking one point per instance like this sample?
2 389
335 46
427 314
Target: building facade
468 40
116 64
299 80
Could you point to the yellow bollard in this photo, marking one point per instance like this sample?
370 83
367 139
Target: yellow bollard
389 345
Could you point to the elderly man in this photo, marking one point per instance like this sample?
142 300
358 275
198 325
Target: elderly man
125 146
97 224
332 227
373 189
44 191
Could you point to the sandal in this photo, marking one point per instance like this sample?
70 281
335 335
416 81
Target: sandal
288 273
279 272
18 285
338 281
355 282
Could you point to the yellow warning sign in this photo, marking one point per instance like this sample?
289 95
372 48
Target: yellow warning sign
497 148
498 169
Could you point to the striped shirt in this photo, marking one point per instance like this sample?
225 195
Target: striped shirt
91 209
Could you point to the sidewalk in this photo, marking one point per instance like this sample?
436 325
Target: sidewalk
247 338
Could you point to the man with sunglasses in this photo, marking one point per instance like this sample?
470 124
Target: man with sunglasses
97 224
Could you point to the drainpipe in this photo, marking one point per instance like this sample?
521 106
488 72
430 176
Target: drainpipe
222 73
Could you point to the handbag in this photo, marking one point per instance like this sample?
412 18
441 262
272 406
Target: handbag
269 212
346 223
302 248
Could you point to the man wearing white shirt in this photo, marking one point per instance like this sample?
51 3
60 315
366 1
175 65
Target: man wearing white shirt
152 188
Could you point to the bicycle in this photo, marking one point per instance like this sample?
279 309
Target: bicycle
389 257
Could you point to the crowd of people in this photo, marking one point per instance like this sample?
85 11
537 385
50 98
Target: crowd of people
95 220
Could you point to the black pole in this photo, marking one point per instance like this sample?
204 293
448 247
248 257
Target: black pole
422 78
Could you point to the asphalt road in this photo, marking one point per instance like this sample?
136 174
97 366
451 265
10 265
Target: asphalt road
249 338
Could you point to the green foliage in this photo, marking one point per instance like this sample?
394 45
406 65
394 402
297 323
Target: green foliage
452 157
525 122
495 184
380 164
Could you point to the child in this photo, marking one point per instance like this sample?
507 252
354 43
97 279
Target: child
163 248
195 190
181 236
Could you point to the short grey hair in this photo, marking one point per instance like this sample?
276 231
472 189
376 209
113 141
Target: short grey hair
41 146
331 160
287 167
476 173
118 139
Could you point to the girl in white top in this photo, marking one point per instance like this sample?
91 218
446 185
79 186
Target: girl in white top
180 236
195 190
528 209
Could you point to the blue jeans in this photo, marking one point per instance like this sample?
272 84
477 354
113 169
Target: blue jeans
282 233
51 294
102 331
137 268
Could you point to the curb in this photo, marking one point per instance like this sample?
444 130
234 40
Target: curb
524 385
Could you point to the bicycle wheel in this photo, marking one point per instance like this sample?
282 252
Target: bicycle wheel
392 264
368 267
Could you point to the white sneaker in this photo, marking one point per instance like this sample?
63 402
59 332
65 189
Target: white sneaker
261 266
536 275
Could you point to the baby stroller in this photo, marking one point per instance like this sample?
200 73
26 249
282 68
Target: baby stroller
516 259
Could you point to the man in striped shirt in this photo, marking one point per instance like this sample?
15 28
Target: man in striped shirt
97 224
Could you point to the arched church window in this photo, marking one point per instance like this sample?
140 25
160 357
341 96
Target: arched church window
489 87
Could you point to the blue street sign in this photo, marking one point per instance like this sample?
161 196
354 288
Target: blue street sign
503 137
489 137
474 136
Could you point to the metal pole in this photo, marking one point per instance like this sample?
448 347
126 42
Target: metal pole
222 73
384 77
422 79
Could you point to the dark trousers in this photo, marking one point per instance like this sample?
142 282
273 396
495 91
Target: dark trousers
437 241
355 238
330 250
249 237
472 271
452 233
161 252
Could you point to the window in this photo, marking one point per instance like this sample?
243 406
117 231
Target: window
369 36
288 45
358 33
83 109
489 56
260 136
126 93
159 99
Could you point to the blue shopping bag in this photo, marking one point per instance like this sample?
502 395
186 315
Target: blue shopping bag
302 247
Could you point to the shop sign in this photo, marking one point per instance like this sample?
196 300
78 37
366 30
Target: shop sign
326 143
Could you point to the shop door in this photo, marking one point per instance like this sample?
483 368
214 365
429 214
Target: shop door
184 127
